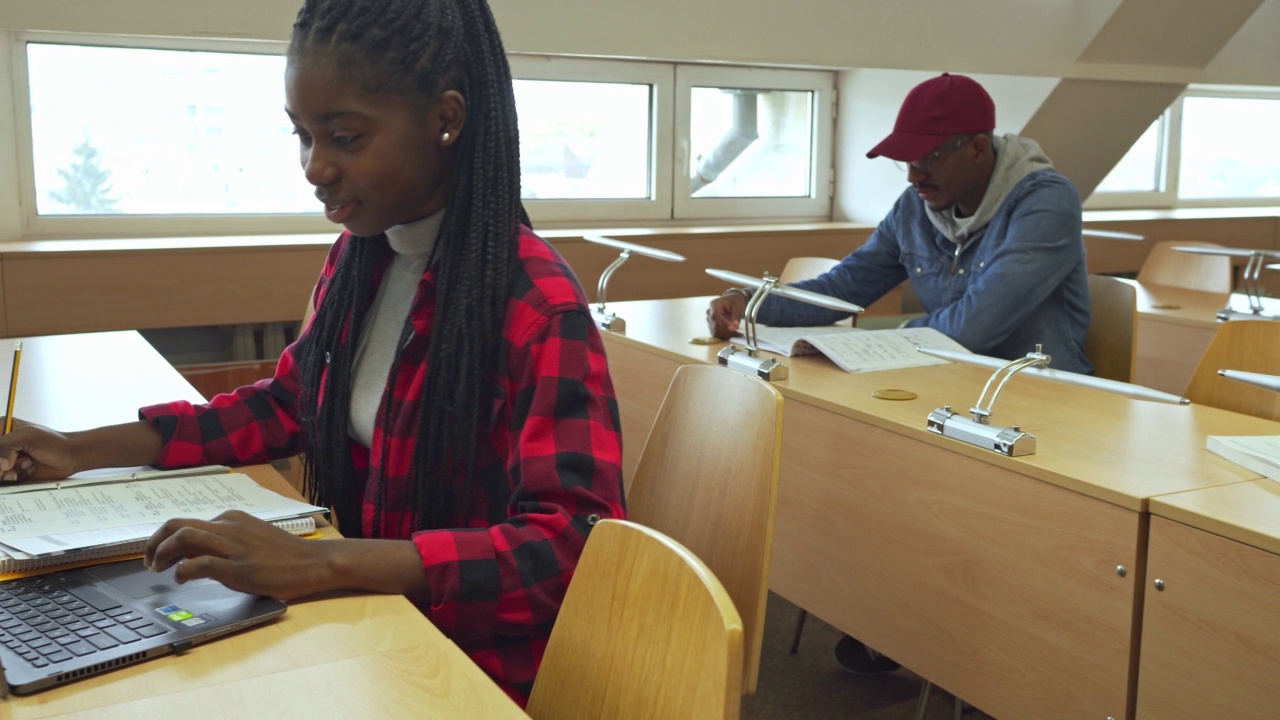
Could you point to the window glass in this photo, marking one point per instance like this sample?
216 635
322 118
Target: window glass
1140 169
584 140
129 131
1230 148
750 143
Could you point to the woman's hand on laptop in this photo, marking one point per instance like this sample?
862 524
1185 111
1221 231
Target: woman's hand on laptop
254 556
243 553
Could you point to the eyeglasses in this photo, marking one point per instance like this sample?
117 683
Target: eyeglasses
925 164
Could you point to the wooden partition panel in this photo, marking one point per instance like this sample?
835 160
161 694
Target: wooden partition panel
991 584
751 251
48 293
1109 256
59 286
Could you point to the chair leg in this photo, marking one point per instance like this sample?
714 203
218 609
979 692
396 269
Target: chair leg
795 640
922 701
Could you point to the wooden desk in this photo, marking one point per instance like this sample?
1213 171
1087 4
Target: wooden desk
1175 326
994 577
349 655
1210 638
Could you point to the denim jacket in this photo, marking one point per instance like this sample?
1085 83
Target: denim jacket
1017 283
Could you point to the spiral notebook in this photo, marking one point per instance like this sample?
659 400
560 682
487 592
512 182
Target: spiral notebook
14 562
57 525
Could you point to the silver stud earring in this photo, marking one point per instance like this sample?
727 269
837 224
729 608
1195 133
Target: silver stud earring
445 137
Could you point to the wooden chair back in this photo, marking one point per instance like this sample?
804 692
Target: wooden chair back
646 632
1112 340
1166 266
708 477
1249 345
803 268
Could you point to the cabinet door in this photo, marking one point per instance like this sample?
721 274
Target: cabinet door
1211 637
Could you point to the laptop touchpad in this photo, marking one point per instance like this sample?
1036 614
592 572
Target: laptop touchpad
135 580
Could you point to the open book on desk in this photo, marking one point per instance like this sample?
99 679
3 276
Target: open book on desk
855 350
59 525
1259 453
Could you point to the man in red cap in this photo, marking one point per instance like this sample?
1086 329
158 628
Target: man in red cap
988 235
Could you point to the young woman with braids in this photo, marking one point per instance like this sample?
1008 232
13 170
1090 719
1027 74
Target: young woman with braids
450 395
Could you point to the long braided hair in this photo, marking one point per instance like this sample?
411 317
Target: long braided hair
417 49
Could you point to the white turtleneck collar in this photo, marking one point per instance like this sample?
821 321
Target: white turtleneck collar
417 238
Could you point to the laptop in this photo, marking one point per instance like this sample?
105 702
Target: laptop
66 625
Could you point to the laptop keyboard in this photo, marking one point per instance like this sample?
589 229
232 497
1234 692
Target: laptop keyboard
46 623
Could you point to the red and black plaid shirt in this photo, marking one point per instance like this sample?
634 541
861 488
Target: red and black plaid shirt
549 467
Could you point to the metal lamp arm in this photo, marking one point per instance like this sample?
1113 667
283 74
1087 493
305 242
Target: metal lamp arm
982 413
752 334
604 279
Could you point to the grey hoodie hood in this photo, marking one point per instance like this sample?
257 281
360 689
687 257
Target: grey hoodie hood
1016 157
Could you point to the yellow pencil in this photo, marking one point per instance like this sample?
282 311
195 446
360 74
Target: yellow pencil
13 387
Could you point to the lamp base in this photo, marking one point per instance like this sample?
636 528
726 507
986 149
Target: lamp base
765 368
609 321
1009 441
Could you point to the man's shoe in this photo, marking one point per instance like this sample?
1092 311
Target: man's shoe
859 659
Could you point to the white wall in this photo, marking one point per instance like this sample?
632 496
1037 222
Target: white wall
1018 48
10 213
1011 37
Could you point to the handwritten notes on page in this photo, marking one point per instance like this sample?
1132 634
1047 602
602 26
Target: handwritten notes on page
856 350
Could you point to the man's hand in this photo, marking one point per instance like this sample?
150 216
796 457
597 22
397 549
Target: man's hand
725 313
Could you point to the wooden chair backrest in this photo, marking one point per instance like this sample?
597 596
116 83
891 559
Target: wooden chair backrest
803 268
1112 341
1166 266
1249 345
646 632
708 477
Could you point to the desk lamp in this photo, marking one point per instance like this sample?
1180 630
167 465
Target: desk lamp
608 320
747 359
1012 441
1251 278
1270 382
1111 234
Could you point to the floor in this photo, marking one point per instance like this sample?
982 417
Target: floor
811 686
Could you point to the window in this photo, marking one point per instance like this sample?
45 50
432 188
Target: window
1230 149
754 143
610 141
595 139
199 139
121 136
1214 146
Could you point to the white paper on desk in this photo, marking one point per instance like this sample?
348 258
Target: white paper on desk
106 476
856 350
1259 453
792 341
45 517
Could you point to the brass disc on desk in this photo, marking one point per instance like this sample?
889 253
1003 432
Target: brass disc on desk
894 394
1166 306
704 340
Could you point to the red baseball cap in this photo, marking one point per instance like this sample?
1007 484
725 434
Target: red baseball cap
935 110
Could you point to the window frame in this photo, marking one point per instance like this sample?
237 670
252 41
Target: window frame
36 226
661 78
668 203
1170 159
817 206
